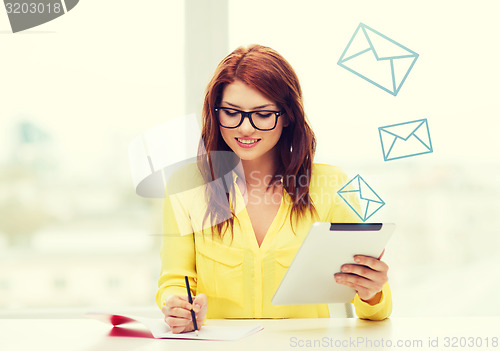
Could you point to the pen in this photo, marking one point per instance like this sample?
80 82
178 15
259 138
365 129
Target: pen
191 302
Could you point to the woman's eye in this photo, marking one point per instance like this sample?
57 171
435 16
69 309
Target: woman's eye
231 113
264 114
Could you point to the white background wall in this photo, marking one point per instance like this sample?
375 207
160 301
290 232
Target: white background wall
100 75
445 253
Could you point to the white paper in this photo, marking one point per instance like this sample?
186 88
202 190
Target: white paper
160 330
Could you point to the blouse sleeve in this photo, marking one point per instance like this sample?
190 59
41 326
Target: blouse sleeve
377 312
178 258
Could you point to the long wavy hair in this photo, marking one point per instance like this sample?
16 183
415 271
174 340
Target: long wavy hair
267 71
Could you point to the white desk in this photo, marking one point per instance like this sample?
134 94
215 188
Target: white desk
288 334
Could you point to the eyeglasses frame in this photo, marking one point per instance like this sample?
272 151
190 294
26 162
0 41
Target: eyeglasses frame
249 115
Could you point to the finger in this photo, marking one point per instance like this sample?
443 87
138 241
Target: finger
382 254
363 292
371 262
183 297
178 330
364 271
176 322
199 321
200 298
364 288
178 301
179 312
352 279
199 302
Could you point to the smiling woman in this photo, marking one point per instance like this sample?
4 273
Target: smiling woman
260 133
253 79
257 216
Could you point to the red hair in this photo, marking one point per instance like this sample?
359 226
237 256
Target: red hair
267 71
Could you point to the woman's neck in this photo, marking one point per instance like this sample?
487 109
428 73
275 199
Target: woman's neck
258 173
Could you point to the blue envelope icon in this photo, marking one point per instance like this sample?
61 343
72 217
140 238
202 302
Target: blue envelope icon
358 190
378 59
405 139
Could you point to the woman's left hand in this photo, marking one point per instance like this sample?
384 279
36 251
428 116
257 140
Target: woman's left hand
367 277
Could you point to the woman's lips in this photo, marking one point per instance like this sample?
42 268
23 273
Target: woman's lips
247 145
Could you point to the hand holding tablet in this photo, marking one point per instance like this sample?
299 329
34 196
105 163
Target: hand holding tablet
367 277
328 247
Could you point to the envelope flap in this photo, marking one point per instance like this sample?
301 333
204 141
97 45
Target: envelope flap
366 193
352 186
401 68
422 134
384 47
357 45
403 130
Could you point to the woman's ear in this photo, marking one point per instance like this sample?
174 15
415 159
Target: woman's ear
285 122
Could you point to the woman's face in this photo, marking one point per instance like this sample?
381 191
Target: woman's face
248 143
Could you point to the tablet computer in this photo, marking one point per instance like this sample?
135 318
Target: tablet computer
328 246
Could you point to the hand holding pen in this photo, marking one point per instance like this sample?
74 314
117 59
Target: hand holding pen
190 299
177 310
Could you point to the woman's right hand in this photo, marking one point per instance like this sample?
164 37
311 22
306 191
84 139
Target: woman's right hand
177 311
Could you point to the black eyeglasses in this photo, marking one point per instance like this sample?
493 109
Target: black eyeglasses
261 120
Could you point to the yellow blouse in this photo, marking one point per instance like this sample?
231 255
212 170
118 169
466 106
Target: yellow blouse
239 277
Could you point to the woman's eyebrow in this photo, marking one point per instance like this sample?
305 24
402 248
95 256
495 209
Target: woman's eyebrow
256 107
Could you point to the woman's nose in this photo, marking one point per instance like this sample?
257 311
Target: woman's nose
246 127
